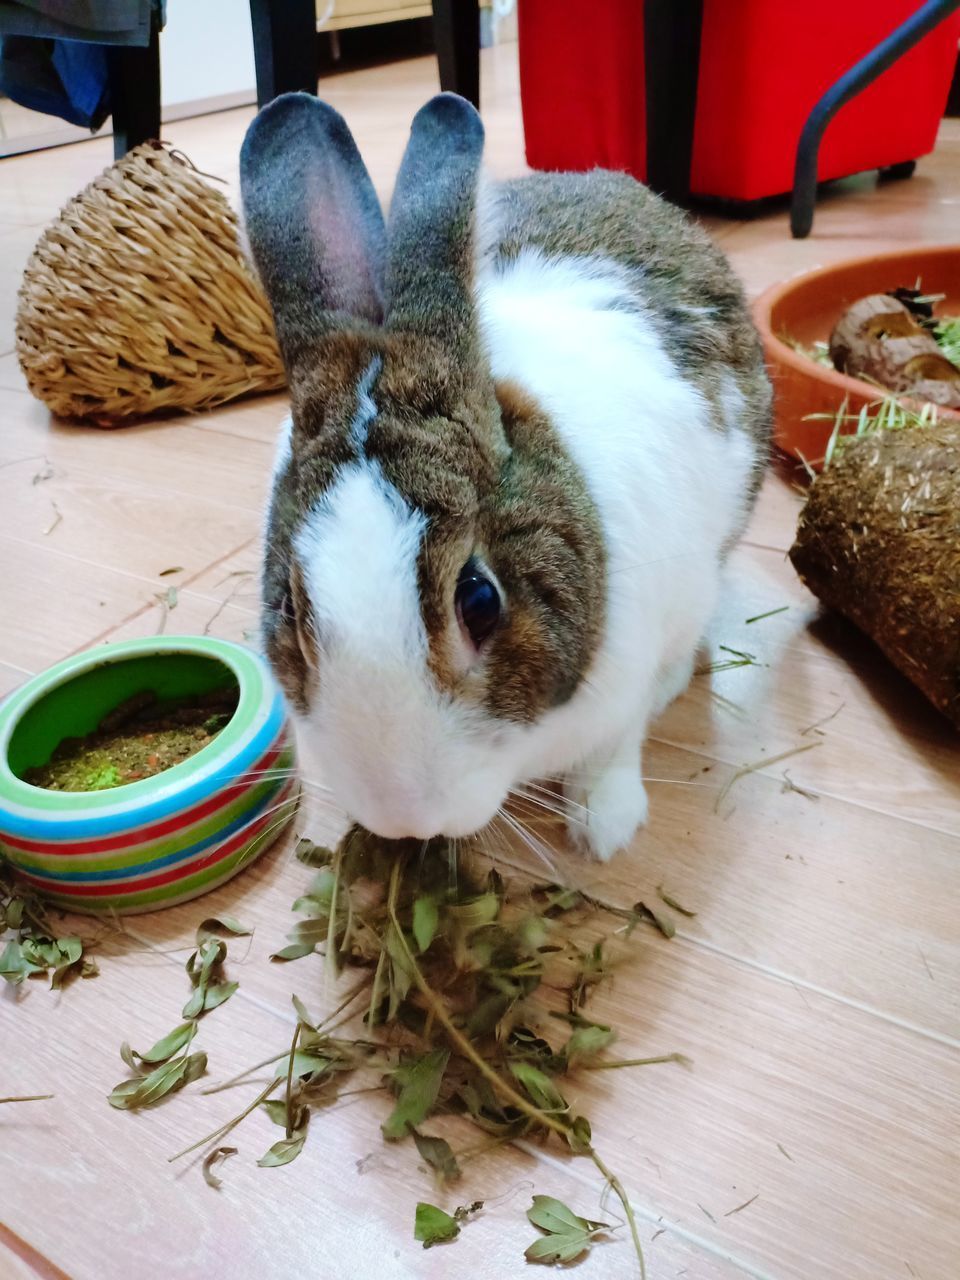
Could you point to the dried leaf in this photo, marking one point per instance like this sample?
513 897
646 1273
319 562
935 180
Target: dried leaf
559 899
194 1006
304 1065
401 973
14 965
204 968
177 568
310 932
284 1151
217 1156
568 1235
553 1215
208 930
211 954
587 1040
302 1013
313 855
592 969
426 918
71 949
276 1109
580 1136
533 933
540 1087
218 994
474 913
672 902
131 1095
66 970
166 1047
419 1083
657 917
438 1154
562 1247
295 951
433 1226
41 952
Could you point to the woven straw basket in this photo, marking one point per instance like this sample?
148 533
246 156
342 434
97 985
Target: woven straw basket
138 300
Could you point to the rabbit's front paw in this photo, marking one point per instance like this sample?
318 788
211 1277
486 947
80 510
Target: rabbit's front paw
606 807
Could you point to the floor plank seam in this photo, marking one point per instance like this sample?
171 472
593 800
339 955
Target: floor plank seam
693 1238
836 796
215 564
778 975
30 1256
102 637
123 573
227 434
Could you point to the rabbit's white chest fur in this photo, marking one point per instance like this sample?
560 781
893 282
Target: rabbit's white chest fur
670 488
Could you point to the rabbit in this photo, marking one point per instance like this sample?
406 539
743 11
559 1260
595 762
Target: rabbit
528 421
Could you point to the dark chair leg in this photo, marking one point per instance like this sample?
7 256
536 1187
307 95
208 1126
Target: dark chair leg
284 47
135 91
456 31
671 36
848 86
953 98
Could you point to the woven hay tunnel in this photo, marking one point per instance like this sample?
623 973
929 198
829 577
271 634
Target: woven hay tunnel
879 541
137 299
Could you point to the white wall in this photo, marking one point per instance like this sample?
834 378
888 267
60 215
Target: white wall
206 52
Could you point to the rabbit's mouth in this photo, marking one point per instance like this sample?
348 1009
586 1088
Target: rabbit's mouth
393 816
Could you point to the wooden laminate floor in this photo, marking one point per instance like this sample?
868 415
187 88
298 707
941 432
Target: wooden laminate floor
815 992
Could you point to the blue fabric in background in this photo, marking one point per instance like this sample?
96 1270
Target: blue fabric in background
69 78
65 78
58 77
84 74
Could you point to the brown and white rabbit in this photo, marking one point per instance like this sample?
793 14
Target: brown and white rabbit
528 420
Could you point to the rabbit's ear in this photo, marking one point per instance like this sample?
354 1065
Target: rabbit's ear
313 220
431 225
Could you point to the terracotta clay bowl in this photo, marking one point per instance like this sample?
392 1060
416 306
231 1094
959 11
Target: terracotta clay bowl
806 309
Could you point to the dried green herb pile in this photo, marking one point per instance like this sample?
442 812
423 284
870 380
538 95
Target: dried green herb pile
456 970
471 998
140 738
32 945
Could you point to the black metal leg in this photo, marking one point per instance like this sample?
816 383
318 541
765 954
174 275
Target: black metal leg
671 34
456 31
953 99
848 86
135 92
284 47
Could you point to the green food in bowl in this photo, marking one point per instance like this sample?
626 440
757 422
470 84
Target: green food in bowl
140 738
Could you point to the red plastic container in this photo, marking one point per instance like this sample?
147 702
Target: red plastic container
763 66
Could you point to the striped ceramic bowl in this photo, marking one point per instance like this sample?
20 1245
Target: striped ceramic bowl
166 838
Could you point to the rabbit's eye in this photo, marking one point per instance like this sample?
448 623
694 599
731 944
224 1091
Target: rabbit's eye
478 604
287 612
